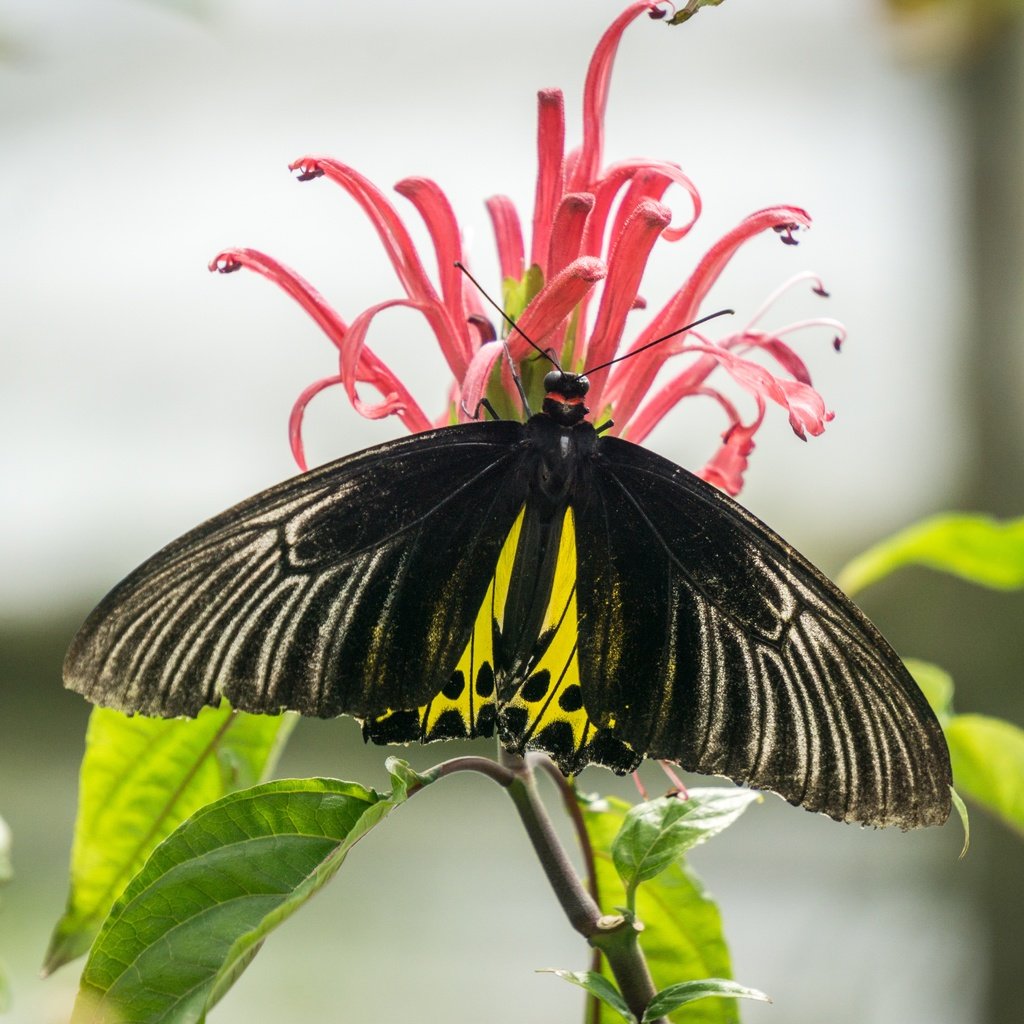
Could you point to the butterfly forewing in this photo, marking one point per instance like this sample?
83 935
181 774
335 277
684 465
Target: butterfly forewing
725 650
351 589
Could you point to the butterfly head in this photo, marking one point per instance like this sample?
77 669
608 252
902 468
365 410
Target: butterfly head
563 397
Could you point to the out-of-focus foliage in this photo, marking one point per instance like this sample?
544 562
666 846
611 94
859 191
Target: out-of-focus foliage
987 753
974 547
140 779
947 30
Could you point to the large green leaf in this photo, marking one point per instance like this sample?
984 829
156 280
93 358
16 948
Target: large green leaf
140 778
978 548
682 938
192 919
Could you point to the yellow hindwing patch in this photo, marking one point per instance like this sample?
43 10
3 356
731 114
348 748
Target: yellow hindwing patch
465 705
545 709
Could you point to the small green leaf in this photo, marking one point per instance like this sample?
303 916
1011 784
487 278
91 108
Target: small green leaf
691 7
193 917
988 764
682 938
656 833
599 987
140 778
671 998
975 547
404 779
936 684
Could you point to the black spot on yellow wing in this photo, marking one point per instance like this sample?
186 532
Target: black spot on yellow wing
545 709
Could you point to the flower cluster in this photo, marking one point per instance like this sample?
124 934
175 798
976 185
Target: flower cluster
593 230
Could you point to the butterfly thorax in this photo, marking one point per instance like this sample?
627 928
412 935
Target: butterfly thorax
558 463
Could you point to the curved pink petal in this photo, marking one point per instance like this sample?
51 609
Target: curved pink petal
508 235
550 154
566 242
554 303
728 466
817 286
647 179
630 381
437 214
595 98
776 348
298 413
663 401
384 217
359 365
478 376
289 281
626 267
806 408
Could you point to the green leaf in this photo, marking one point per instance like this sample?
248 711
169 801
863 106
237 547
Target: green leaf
599 987
140 778
404 779
936 684
671 998
988 764
682 938
691 7
190 921
978 548
656 833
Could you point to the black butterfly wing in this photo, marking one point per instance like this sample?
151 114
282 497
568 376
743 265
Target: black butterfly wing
711 642
353 588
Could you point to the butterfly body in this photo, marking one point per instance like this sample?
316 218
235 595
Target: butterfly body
572 591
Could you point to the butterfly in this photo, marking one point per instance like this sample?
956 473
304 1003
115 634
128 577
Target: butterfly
567 589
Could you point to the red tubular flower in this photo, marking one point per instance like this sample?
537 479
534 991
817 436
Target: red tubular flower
593 229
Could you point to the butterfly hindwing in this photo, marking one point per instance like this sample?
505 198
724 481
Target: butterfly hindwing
353 588
714 644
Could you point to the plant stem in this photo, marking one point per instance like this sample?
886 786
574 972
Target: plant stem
572 808
614 935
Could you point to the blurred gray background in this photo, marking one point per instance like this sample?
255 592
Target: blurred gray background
141 394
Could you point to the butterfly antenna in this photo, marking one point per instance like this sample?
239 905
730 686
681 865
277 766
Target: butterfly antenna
546 354
658 341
